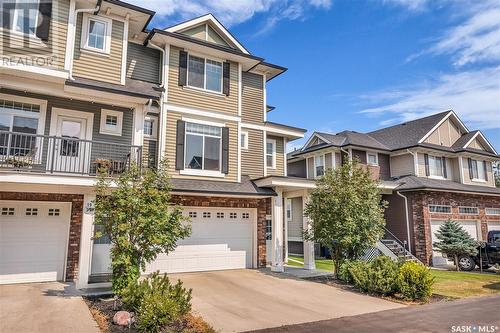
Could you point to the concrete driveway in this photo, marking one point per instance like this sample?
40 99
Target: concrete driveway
44 307
243 300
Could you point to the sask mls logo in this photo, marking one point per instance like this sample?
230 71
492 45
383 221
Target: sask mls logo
26 32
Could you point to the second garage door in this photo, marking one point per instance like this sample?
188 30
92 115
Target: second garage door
469 226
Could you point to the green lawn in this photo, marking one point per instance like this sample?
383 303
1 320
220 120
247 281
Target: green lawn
465 284
447 283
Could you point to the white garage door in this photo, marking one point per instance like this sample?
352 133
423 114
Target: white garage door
493 226
469 226
33 241
221 238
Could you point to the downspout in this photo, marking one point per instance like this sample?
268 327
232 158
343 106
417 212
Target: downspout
345 151
407 219
154 46
78 11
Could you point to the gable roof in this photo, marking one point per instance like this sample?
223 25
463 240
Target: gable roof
413 183
464 139
409 133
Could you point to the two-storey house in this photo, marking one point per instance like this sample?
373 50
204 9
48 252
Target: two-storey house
429 169
84 85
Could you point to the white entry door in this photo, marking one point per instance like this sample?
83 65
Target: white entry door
71 154
33 241
437 257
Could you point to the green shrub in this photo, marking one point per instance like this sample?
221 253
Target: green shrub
378 276
345 270
156 302
415 281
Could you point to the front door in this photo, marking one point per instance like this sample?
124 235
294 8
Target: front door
72 146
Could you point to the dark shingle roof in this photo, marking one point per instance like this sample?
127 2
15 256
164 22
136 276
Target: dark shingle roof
460 143
135 88
407 134
246 187
409 183
361 139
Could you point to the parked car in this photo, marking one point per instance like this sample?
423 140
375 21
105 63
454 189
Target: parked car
489 252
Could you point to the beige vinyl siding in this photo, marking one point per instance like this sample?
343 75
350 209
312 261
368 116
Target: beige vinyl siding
171 143
252 98
193 98
476 145
310 167
446 134
402 165
252 159
421 166
280 157
455 168
295 226
214 37
197 32
143 63
469 181
328 161
53 51
96 66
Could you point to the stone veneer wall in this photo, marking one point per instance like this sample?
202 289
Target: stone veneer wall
263 208
75 227
420 216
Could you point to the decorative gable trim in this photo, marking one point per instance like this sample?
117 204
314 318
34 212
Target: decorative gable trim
216 25
483 138
314 136
448 115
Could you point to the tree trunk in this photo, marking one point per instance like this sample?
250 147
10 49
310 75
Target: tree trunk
456 262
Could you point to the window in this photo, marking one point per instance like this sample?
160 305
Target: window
220 215
192 215
31 211
204 74
111 122
492 211
96 33
495 237
233 215
435 166
477 170
245 215
289 209
104 239
442 209
468 210
319 165
206 215
244 140
203 147
372 158
8 211
150 127
25 18
54 211
271 153
21 118
269 230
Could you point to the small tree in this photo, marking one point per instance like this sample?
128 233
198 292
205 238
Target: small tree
496 173
454 241
140 220
346 212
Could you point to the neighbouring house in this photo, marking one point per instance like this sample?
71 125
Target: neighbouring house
84 85
430 169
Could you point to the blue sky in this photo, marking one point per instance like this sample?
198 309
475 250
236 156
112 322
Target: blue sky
362 65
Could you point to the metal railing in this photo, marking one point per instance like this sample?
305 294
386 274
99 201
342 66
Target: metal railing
53 154
390 236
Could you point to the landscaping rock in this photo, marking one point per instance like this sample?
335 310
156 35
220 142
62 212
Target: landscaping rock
122 318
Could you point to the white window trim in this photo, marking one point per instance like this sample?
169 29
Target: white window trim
273 142
107 34
476 208
479 180
442 167
119 122
491 214
368 160
451 209
22 33
202 172
204 89
155 127
314 163
245 134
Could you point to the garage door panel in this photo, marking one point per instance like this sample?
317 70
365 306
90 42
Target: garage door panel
33 248
493 225
469 226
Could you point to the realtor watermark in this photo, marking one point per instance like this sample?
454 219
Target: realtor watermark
29 34
474 329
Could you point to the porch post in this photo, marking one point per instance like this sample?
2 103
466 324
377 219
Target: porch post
308 245
85 243
277 232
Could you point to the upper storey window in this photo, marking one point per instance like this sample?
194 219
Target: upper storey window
435 166
319 165
96 33
25 20
203 147
271 153
372 158
205 74
477 170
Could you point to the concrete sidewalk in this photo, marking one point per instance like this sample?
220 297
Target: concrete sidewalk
44 308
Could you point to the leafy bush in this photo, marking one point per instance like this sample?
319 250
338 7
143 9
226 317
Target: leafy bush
156 302
415 281
345 270
378 276
189 324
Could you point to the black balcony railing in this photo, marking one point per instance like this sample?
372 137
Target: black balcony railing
53 154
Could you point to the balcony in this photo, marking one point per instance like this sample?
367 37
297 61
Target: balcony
23 152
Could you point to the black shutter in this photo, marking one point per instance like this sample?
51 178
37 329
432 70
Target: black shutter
183 60
45 12
485 171
225 150
471 175
179 145
226 68
445 173
426 159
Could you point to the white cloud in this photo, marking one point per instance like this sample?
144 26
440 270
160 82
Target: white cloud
473 95
413 5
231 12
